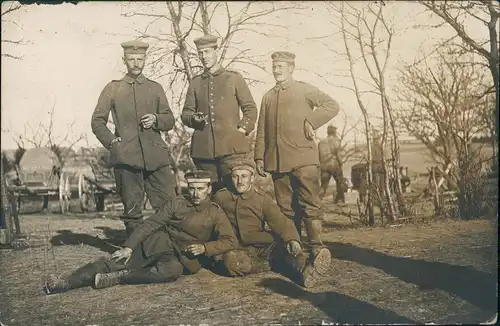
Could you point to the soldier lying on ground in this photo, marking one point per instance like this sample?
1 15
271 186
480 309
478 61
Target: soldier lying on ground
163 246
248 209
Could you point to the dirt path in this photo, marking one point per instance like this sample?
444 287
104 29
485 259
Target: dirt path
443 273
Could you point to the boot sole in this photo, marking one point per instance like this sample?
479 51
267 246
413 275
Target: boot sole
320 266
97 282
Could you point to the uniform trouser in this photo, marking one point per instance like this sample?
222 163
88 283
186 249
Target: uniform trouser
160 268
219 167
131 183
252 259
297 193
338 176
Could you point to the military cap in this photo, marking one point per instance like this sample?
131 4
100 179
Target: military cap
242 164
206 41
134 47
198 176
331 129
283 56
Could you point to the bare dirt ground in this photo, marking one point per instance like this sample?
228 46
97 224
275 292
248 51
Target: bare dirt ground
440 272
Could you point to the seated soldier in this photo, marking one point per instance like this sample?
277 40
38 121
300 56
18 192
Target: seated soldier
248 210
163 246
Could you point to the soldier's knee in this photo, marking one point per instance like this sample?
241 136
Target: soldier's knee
237 263
170 272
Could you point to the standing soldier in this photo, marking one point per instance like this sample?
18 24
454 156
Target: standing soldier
212 109
330 160
285 145
140 157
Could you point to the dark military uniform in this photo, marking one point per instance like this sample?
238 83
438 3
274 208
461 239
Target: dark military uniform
331 166
281 143
141 159
159 244
220 95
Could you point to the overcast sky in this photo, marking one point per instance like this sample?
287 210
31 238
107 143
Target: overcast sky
74 50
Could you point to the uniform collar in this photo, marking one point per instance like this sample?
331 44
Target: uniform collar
246 195
140 79
200 207
207 72
284 85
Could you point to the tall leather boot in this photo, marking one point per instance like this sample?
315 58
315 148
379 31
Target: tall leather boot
313 231
297 221
320 256
83 276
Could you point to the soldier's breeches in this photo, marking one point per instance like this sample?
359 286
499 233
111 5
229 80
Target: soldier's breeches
131 184
167 268
297 192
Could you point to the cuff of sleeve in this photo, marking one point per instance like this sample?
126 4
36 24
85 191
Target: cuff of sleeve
209 249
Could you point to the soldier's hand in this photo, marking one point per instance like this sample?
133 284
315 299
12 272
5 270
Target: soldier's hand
114 141
148 120
294 248
195 249
308 130
199 118
124 253
259 165
243 131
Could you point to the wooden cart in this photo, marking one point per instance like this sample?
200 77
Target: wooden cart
39 175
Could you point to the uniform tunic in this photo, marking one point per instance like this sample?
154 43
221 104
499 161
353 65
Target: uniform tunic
220 95
128 100
281 141
249 211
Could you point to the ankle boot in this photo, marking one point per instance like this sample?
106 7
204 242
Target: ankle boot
56 284
82 277
104 280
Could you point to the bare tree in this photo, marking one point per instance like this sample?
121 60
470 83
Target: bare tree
8 8
347 138
43 134
453 14
443 108
365 30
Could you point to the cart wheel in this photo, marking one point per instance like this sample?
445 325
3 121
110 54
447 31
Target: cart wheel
85 193
64 193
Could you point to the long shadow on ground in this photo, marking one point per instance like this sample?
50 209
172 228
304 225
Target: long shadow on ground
476 287
340 308
113 238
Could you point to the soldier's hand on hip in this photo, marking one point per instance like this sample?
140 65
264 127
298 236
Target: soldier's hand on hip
124 253
293 247
148 120
116 140
308 130
195 249
259 165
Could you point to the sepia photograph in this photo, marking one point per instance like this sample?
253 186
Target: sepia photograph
249 162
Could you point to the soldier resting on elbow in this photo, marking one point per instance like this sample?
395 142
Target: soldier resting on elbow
248 209
164 246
